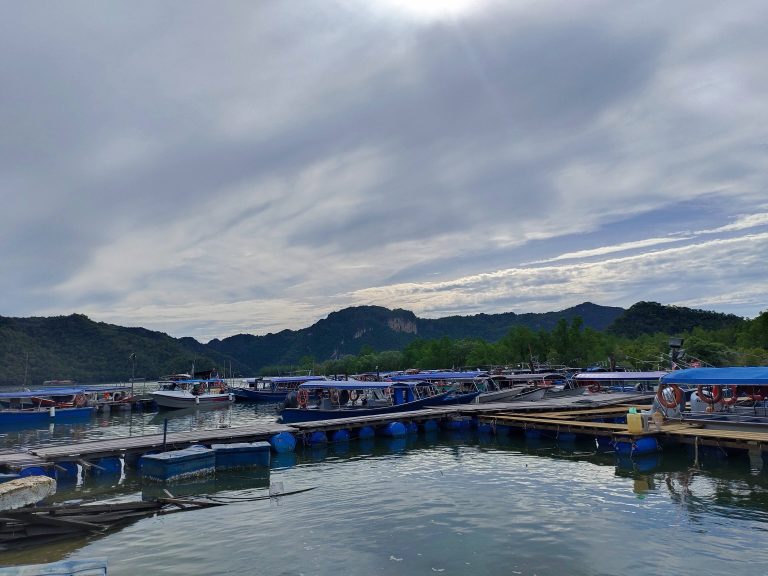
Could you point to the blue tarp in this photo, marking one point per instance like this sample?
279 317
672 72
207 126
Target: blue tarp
437 376
344 385
45 393
291 379
618 376
741 376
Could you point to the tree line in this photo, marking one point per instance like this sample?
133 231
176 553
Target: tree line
568 344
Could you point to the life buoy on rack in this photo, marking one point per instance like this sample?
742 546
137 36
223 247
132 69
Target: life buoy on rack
676 391
592 385
303 397
714 398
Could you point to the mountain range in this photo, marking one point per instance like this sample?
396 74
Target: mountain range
75 347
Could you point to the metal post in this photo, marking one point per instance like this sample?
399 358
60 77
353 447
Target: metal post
165 431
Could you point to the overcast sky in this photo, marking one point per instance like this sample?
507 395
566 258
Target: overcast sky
212 168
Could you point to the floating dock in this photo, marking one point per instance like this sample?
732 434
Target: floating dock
602 417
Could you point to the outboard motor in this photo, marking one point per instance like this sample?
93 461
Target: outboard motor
291 400
701 405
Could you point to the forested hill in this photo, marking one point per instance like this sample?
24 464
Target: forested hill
652 317
75 347
350 330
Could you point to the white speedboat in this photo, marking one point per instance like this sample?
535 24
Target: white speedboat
193 393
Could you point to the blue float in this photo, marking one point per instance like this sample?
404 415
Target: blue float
396 444
283 442
340 436
366 432
241 455
33 471
485 428
316 438
66 471
639 446
412 427
458 423
394 429
178 464
107 467
429 425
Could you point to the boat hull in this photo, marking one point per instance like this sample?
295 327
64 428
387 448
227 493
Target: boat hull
15 417
258 395
175 400
294 415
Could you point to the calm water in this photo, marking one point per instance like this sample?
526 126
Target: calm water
443 503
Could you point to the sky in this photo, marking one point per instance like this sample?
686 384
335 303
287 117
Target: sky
208 169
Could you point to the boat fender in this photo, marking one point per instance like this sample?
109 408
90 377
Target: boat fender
678 396
717 394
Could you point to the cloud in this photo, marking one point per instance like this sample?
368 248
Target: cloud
258 165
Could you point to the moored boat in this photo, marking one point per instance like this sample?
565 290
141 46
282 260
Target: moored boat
193 393
274 389
44 405
331 399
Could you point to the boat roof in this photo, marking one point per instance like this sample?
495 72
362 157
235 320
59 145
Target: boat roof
525 376
744 376
107 388
42 393
437 376
344 385
290 379
655 375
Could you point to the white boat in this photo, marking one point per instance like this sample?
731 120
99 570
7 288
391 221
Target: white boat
193 393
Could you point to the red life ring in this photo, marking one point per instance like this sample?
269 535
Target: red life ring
678 393
593 386
717 395
757 394
303 397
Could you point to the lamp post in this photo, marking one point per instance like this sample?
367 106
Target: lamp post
675 349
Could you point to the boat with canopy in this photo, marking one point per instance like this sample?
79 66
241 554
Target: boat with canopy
274 389
331 399
51 404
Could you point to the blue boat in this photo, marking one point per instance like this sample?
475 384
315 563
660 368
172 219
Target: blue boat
331 399
45 405
274 389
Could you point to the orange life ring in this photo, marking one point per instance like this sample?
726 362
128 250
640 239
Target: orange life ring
676 390
717 395
303 397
